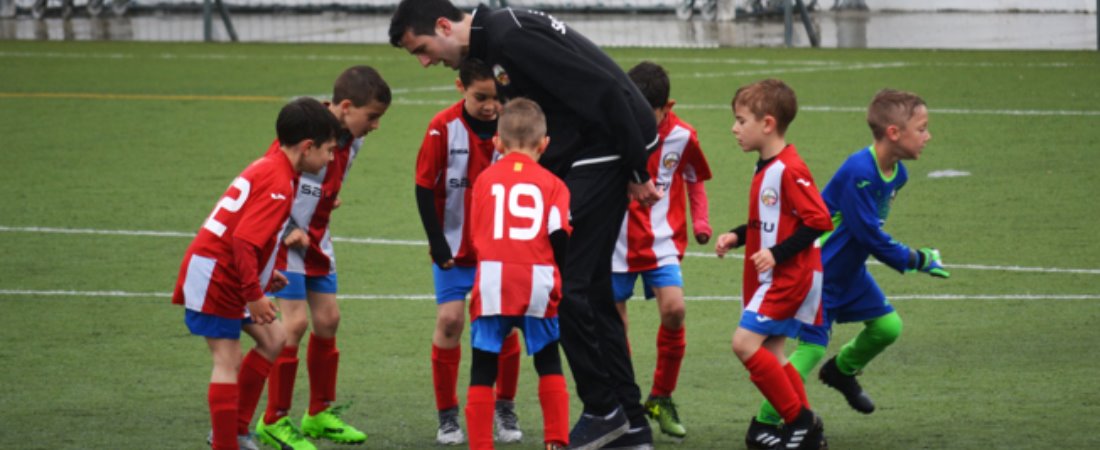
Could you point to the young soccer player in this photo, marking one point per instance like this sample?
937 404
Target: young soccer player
522 213
859 197
456 148
782 276
229 263
360 97
653 239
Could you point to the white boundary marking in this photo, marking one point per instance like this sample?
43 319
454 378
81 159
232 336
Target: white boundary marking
721 298
418 243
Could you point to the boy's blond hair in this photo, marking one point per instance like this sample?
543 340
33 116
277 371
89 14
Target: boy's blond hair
522 124
891 107
770 97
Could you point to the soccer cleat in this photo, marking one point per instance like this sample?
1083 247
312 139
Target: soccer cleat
283 435
244 441
663 410
450 432
807 432
507 424
855 395
327 424
592 432
762 436
640 438
554 446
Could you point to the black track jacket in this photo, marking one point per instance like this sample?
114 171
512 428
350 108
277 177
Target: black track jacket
594 113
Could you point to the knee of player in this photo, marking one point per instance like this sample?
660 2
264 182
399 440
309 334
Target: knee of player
672 315
327 322
886 329
450 325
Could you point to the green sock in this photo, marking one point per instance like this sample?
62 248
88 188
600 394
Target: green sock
805 358
877 334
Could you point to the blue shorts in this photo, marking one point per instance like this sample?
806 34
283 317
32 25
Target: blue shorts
766 326
487 333
664 276
868 304
453 284
211 326
299 283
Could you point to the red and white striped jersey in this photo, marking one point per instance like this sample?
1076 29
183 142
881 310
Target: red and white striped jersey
254 209
450 160
312 210
517 205
657 235
782 198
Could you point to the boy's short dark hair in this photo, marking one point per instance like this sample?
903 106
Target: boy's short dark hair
361 85
473 69
521 124
770 97
419 16
891 107
652 80
305 118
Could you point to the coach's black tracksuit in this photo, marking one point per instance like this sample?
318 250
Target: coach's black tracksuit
601 132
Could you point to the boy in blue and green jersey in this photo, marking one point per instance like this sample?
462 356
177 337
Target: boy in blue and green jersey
859 198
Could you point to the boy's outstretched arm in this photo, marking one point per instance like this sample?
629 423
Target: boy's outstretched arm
438 247
859 213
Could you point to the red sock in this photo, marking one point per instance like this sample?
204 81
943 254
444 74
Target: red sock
769 378
554 399
479 417
322 358
445 376
280 385
254 371
508 368
670 354
796 383
222 398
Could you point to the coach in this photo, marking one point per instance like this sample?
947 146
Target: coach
601 131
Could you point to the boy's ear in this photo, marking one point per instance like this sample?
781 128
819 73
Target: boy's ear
461 87
496 143
769 123
542 145
893 132
669 105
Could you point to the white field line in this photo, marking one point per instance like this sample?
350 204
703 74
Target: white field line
425 297
419 243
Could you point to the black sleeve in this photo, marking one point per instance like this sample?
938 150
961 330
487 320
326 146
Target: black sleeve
803 237
740 232
437 243
559 241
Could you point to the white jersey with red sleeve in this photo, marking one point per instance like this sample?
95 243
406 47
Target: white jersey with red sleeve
254 209
517 205
657 235
450 160
312 210
782 198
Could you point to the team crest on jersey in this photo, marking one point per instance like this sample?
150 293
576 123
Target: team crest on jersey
500 75
671 160
769 197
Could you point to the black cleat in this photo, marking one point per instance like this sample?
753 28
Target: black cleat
807 432
762 436
855 395
592 432
640 438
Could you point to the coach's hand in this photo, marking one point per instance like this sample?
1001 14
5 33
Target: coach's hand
725 242
262 310
929 261
644 193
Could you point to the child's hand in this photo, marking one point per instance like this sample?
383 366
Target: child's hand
763 260
262 310
702 238
645 193
296 238
277 283
336 203
725 242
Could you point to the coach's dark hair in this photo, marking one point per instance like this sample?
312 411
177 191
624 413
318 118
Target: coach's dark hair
522 123
652 80
891 107
473 69
305 118
419 16
361 85
770 97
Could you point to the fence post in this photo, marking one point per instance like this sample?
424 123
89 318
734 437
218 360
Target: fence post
208 22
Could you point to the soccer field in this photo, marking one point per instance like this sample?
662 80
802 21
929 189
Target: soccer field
116 152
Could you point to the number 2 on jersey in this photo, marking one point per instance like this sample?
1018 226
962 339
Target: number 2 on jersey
229 204
515 209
